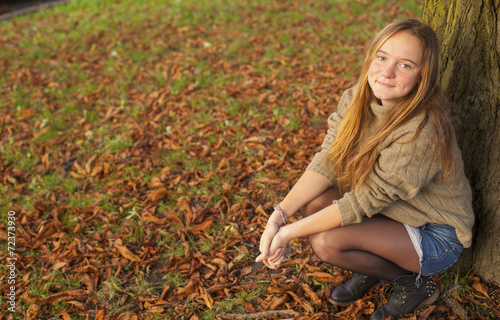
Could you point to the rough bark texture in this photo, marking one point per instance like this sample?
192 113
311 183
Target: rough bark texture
469 32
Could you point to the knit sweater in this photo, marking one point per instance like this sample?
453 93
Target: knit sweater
405 183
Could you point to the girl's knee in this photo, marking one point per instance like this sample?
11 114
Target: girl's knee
309 209
323 246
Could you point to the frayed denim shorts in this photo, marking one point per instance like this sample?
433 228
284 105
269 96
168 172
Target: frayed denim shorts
437 246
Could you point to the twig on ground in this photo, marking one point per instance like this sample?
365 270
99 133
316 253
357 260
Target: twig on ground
256 315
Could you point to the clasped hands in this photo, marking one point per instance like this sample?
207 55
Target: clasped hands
273 243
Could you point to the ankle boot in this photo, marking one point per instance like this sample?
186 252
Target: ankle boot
406 296
352 290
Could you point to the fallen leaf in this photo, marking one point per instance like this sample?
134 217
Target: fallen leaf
125 252
189 288
209 301
64 314
64 296
101 314
32 313
202 226
322 277
481 287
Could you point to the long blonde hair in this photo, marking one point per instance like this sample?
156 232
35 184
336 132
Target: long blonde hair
353 159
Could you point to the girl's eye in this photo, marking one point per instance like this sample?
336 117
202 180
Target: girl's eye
381 58
406 66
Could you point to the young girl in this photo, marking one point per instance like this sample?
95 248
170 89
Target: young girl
386 197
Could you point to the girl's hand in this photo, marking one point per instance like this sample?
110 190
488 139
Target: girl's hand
274 261
266 238
273 247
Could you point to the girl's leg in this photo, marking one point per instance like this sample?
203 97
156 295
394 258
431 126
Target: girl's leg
378 246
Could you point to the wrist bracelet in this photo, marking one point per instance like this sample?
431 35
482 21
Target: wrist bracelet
283 215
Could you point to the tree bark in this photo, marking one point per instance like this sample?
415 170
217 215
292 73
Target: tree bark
468 31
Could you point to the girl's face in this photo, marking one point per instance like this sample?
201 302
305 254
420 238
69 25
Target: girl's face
396 67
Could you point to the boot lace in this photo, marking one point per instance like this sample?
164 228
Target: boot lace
399 293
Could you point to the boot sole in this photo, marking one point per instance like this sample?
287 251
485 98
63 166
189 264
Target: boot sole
428 301
347 303
341 304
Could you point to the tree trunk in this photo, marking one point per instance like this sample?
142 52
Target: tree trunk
469 32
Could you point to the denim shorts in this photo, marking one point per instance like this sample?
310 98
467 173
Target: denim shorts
437 246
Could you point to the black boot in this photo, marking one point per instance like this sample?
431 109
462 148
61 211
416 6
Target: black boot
352 290
407 296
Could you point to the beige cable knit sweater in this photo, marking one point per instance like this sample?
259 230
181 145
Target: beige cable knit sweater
405 183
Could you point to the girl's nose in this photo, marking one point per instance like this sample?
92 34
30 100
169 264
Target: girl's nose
389 71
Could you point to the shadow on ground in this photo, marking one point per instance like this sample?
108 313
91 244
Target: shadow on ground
12 8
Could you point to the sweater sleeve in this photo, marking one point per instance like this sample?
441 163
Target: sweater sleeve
398 174
334 120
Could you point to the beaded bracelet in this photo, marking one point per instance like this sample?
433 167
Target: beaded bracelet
283 215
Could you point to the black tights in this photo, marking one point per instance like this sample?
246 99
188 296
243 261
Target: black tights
378 246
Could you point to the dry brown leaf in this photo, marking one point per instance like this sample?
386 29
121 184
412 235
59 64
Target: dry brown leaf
189 288
79 169
48 229
322 277
158 194
64 314
155 182
311 295
172 217
302 302
276 302
128 315
32 313
481 287
126 253
202 226
58 265
156 309
188 213
148 217
101 314
209 301
96 170
426 313
64 296
88 164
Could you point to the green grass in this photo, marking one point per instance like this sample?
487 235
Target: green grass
454 281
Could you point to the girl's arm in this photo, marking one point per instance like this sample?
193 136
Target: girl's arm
308 187
323 220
